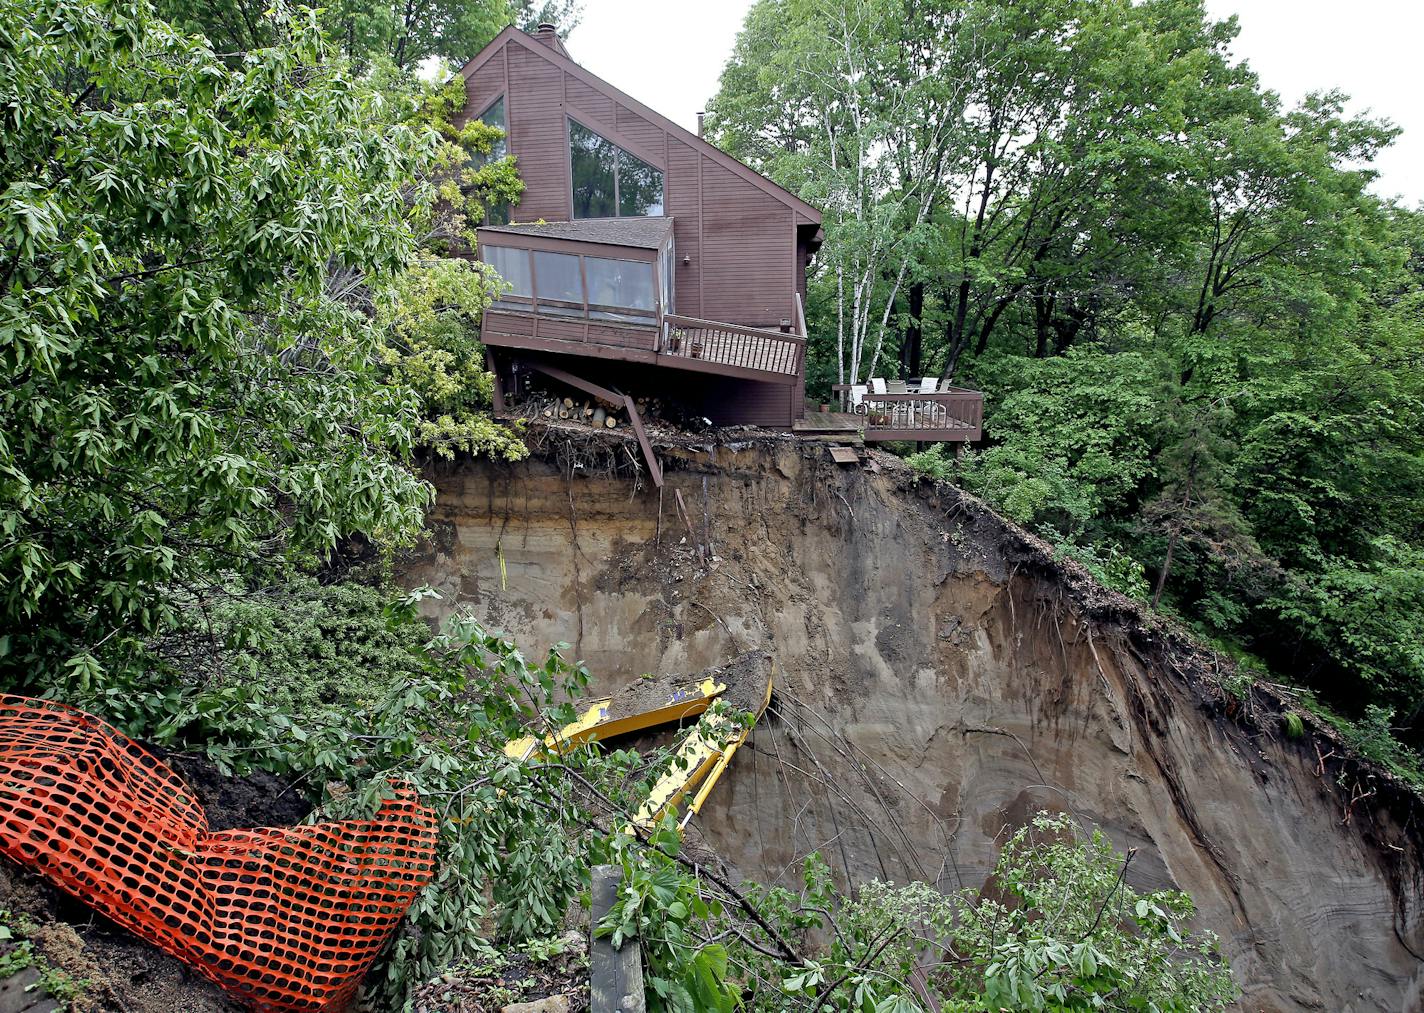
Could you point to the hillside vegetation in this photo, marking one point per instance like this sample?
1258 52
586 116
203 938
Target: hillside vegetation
1199 332
234 324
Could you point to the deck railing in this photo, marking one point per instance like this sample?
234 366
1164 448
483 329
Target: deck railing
752 348
954 410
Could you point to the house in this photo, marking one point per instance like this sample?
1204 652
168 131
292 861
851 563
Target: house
642 258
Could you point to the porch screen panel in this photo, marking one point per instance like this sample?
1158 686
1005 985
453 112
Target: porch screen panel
557 277
512 265
621 283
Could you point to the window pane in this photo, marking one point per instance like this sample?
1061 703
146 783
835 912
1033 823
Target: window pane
558 277
499 213
640 186
512 265
592 159
625 283
494 117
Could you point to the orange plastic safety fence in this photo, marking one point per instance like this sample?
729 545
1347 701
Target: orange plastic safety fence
284 918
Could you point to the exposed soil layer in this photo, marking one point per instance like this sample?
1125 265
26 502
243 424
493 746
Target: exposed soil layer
940 677
125 973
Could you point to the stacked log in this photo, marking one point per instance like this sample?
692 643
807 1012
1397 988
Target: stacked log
593 414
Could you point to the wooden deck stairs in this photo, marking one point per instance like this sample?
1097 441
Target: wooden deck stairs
831 427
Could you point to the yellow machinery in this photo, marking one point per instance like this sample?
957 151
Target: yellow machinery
699 761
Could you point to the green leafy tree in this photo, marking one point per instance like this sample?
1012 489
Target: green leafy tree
430 314
1056 927
185 394
1068 933
853 104
401 34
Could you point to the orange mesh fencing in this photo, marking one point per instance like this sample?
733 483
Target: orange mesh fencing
283 918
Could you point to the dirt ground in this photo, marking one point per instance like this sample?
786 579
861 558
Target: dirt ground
124 973
513 978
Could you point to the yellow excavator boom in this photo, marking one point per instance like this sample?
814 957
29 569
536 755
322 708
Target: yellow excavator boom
596 722
701 759
698 764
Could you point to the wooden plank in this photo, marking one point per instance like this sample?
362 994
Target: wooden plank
501 339
844 455
610 397
687 519
704 365
654 468
615 977
493 367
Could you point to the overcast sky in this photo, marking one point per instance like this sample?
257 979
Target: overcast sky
1367 48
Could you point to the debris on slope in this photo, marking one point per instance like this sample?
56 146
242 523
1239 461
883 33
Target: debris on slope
552 981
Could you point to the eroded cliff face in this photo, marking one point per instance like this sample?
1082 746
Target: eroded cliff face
940 679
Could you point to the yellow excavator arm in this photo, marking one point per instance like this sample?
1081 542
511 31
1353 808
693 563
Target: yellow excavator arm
694 769
596 721
700 761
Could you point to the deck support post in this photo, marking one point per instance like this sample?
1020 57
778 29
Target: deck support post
493 367
613 398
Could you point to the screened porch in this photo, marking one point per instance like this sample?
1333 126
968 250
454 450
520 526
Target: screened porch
604 288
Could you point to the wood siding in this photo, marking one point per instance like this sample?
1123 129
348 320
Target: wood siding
748 251
538 137
741 244
738 255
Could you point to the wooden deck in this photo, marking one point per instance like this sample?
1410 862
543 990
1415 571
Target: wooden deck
688 343
763 350
952 416
831 427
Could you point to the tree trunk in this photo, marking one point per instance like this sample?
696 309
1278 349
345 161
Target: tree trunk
911 347
1166 565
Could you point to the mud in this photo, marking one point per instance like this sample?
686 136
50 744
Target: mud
940 678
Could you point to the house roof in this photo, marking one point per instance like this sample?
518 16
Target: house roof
561 58
643 233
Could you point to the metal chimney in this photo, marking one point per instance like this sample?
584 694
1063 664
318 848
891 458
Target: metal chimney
701 126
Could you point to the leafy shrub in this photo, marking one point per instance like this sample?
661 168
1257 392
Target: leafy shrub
1070 934
1058 928
306 644
516 839
18 951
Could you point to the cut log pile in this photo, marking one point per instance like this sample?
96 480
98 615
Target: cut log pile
587 411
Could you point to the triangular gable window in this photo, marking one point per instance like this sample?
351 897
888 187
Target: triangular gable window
608 181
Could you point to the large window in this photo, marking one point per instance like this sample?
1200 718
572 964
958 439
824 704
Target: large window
556 277
494 117
498 212
512 266
609 182
566 283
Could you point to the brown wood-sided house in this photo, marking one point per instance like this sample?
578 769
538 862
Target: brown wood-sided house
640 257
